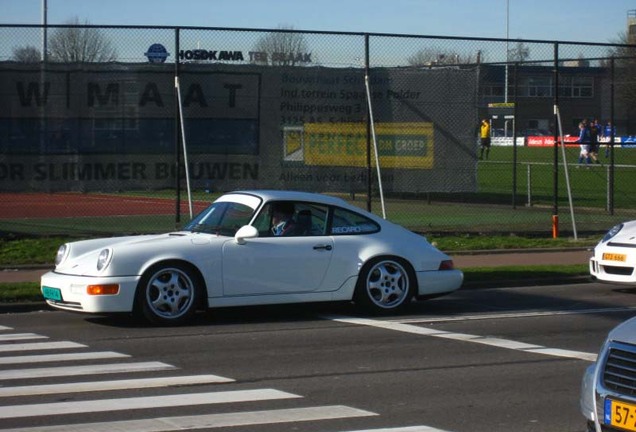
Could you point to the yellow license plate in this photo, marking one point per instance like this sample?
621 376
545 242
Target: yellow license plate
614 257
620 414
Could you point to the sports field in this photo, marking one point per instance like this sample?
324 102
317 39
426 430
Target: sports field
489 209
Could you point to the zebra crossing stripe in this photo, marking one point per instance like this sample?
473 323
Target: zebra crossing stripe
13 374
2 328
125 404
82 387
37 346
484 340
404 429
20 336
61 357
211 421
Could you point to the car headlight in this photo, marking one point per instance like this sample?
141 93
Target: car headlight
62 253
612 232
104 258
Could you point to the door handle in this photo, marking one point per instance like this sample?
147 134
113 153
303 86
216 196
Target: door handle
323 247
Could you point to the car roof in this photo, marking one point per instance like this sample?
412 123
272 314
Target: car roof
286 195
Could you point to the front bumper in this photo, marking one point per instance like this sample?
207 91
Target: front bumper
595 393
613 271
75 298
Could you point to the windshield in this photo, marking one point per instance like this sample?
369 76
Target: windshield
222 218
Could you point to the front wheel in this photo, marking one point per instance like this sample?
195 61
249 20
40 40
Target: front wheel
167 294
384 285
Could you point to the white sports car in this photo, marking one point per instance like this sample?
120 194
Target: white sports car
614 256
235 253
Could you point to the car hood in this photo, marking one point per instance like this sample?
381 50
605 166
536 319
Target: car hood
627 234
131 254
624 332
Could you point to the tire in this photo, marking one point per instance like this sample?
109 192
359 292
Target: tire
385 285
169 294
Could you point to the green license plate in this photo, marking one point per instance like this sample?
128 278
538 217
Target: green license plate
52 293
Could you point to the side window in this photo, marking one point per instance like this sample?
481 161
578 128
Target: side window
312 219
263 221
346 222
291 219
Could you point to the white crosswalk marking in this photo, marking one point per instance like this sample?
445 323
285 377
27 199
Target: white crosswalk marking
82 370
60 357
497 342
3 328
37 346
124 404
81 387
211 421
163 424
404 429
20 336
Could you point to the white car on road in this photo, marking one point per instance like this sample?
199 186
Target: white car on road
229 256
608 393
614 257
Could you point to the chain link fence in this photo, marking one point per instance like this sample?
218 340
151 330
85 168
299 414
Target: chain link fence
103 130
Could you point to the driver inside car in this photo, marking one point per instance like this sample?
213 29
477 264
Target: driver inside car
282 219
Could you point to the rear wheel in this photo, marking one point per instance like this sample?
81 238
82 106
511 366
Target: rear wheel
168 294
384 285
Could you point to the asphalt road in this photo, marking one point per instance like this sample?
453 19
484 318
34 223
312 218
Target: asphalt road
474 361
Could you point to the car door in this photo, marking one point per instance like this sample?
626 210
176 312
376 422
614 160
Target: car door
280 265
275 265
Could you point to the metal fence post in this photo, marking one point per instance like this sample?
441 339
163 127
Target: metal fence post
529 184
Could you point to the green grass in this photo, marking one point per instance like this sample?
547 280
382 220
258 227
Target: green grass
489 209
28 251
513 273
19 292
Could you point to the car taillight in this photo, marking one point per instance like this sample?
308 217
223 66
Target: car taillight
446 265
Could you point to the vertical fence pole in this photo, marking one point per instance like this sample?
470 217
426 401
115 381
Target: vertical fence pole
177 137
610 175
529 185
369 171
555 168
514 141
608 186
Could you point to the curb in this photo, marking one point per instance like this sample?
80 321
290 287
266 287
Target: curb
525 283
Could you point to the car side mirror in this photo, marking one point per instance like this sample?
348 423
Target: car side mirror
245 232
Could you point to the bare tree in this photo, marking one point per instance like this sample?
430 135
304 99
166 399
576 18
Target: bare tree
520 53
625 84
437 57
77 44
27 54
281 48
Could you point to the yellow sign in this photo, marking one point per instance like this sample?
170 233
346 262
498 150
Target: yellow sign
400 145
501 105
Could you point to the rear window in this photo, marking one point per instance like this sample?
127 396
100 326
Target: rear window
345 222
